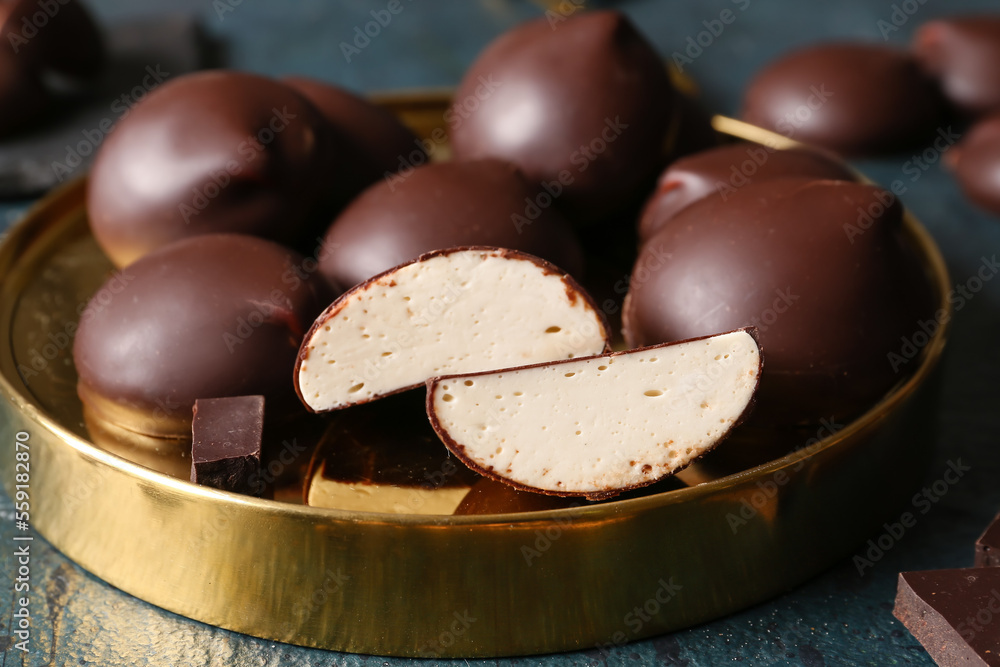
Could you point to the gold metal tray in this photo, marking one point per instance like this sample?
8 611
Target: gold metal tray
409 585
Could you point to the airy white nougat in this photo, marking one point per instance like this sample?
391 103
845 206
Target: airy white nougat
594 427
451 311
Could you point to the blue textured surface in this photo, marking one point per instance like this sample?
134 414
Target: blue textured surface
840 618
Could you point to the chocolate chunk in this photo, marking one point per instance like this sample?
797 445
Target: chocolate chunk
988 546
976 162
481 202
955 614
583 105
384 457
724 171
855 99
964 55
210 152
823 268
214 315
226 442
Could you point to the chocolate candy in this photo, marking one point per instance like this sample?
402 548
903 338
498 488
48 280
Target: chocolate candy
372 140
384 457
988 546
60 38
855 99
226 436
955 614
822 268
724 171
583 106
216 151
964 55
976 162
482 202
215 315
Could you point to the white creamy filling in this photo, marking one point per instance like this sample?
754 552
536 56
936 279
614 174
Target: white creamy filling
461 312
604 423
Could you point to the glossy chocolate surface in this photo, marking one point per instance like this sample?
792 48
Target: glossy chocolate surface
964 55
855 99
482 202
821 268
953 613
988 546
227 435
723 171
374 142
584 102
977 164
210 152
210 316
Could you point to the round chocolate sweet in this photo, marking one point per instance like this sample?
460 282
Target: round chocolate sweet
205 317
977 164
210 152
855 99
724 171
584 105
58 37
444 205
964 55
823 269
376 143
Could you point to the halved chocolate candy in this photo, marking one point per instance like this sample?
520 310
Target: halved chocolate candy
598 426
451 311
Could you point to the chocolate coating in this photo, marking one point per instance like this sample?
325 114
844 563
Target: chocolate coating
822 268
855 99
964 55
209 316
587 99
63 40
209 152
482 202
376 143
724 171
977 164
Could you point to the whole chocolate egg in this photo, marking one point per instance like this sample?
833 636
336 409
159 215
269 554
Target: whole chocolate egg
581 104
444 205
205 317
210 152
855 99
964 55
823 269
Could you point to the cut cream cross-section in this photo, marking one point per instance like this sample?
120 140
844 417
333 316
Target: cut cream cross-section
451 311
597 426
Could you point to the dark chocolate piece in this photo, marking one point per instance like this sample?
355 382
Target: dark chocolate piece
964 55
482 202
226 436
215 315
583 105
209 152
376 143
988 545
822 268
385 457
856 99
976 162
723 171
955 614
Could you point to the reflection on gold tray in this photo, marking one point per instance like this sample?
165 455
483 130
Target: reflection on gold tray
394 584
